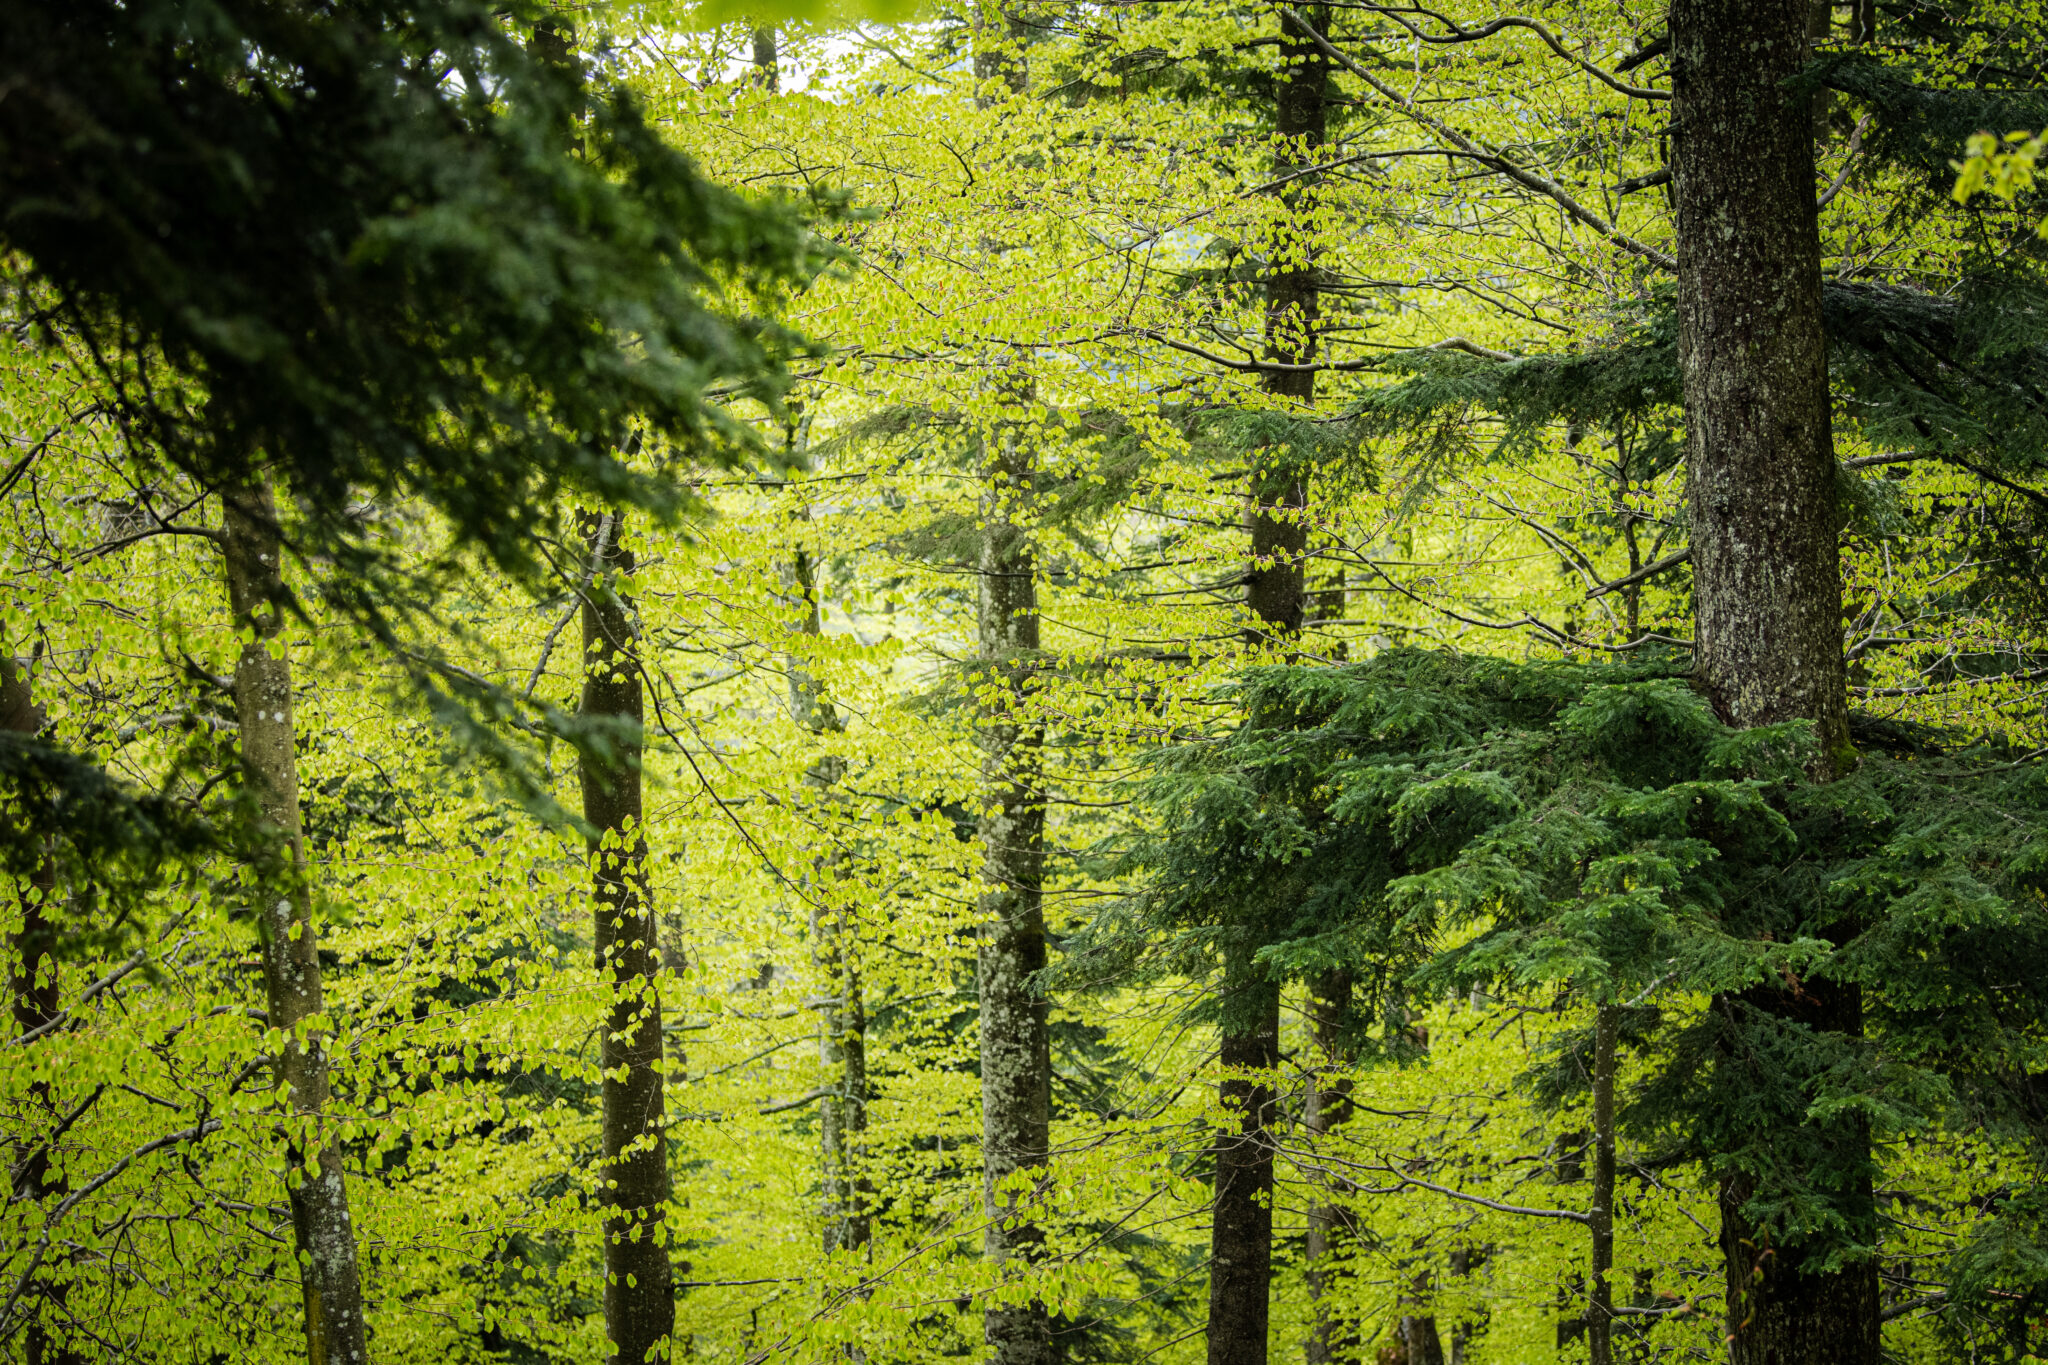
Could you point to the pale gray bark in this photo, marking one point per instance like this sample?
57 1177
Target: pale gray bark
1015 1050
842 1009
1016 1063
253 554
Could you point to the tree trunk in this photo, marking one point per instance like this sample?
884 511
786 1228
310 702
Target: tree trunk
1016 1069
1240 1244
1759 444
253 553
1600 1306
35 997
842 1011
1016 1053
1331 1228
639 1302
1274 581
1241 1233
1420 1342
1761 471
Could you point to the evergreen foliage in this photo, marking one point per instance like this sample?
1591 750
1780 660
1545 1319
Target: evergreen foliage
1437 822
388 248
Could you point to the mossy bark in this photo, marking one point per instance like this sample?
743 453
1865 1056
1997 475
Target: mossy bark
1016 1065
1016 1051
253 556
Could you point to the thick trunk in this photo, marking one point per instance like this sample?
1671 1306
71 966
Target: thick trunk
639 1303
252 549
842 1010
1016 1069
1241 1233
34 991
1331 1228
1600 1307
1759 445
1767 584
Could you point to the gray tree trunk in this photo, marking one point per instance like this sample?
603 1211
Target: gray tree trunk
1016 1053
842 1010
639 1290
253 554
1016 1068
1767 583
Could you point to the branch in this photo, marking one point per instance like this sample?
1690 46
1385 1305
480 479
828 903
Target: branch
1650 570
78 1196
1470 35
798 1102
1249 366
1492 160
1842 176
1899 1310
547 646
85 997
1566 1214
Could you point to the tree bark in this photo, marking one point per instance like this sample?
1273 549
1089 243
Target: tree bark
253 554
1016 1067
1275 579
1331 1227
1759 442
639 1291
1761 471
1241 1233
1016 1051
1600 1295
842 1009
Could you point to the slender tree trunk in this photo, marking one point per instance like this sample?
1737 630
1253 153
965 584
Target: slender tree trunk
1016 1069
767 61
1420 1341
842 1011
1241 1235
1241 1231
1331 1227
639 1291
253 553
1767 583
35 997
1016 1052
1600 1308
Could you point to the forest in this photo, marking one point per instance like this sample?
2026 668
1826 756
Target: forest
1044 682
